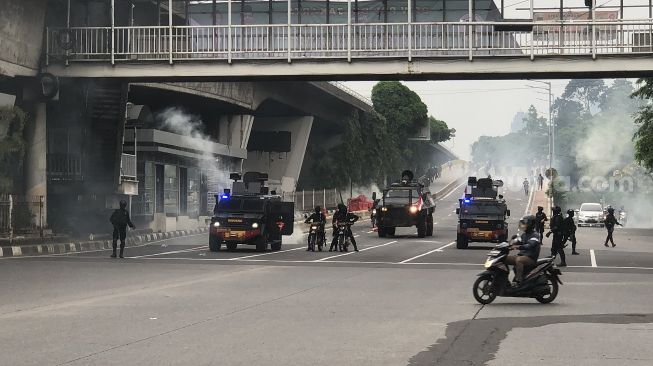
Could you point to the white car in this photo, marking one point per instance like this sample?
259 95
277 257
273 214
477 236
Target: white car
591 214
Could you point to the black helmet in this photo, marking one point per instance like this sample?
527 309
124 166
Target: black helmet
540 208
610 210
342 208
527 223
557 210
318 209
123 204
570 213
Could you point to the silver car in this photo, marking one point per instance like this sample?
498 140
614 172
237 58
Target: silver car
591 214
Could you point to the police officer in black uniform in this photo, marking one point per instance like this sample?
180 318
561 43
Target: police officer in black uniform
558 231
540 219
318 218
343 215
610 222
570 231
120 220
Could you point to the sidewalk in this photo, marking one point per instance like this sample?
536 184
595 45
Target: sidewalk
539 199
82 246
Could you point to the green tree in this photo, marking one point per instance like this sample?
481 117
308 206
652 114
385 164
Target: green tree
440 131
644 120
12 147
587 92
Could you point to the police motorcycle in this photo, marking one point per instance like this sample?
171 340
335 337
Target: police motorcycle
343 241
540 282
316 236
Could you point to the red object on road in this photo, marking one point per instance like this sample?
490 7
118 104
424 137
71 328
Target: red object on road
360 203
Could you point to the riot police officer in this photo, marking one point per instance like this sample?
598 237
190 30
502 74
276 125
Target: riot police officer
610 222
343 216
120 220
318 218
540 219
558 231
570 231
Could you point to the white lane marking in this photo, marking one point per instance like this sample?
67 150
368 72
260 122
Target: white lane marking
435 223
445 246
419 256
453 190
449 215
356 236
593 258
362 250
369 232
172 252
262 254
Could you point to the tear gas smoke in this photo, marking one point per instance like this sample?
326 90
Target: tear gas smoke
175 120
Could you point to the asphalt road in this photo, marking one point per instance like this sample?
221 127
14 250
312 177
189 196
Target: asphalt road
399 301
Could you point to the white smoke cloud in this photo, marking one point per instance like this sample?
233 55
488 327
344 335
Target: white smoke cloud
177 121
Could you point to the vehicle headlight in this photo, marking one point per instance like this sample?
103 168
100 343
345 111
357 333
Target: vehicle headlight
255 225
413 209
314 227
384 209
374 211
216 224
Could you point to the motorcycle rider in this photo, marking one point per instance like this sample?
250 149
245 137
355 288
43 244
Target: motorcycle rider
120 220
318 218
529 248
558 231
610 222
343 216
540 219
526 186
570 231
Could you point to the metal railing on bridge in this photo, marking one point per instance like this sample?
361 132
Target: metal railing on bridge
349 41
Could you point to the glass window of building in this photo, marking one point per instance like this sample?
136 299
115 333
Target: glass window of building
143 204
193 192
170 190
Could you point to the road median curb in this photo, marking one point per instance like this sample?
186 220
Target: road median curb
86 246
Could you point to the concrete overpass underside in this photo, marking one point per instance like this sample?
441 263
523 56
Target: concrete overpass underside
480 68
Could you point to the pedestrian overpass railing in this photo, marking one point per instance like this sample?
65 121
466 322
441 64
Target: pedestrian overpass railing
348 41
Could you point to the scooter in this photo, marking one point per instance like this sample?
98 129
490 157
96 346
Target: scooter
540 282
316 236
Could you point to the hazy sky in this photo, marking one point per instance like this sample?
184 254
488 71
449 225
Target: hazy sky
475 108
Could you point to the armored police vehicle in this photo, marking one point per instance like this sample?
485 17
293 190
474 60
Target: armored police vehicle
250 214
405 204
482 215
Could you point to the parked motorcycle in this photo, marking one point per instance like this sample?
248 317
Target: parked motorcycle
540 282
316 237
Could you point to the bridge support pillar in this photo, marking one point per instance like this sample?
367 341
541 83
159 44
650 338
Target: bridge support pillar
35 157
234 130
283 168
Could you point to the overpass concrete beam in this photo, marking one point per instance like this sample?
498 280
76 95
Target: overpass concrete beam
283 168
496 67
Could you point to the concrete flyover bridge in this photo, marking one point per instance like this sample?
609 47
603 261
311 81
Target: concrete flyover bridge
404 50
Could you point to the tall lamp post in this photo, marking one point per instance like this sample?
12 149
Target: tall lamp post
551 126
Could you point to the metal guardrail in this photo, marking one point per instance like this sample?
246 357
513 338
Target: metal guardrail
348 41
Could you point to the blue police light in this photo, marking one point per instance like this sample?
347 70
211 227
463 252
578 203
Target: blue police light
467 200
225 196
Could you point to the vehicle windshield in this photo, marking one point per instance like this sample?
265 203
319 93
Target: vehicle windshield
483 208
239 204
401 196
591 207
